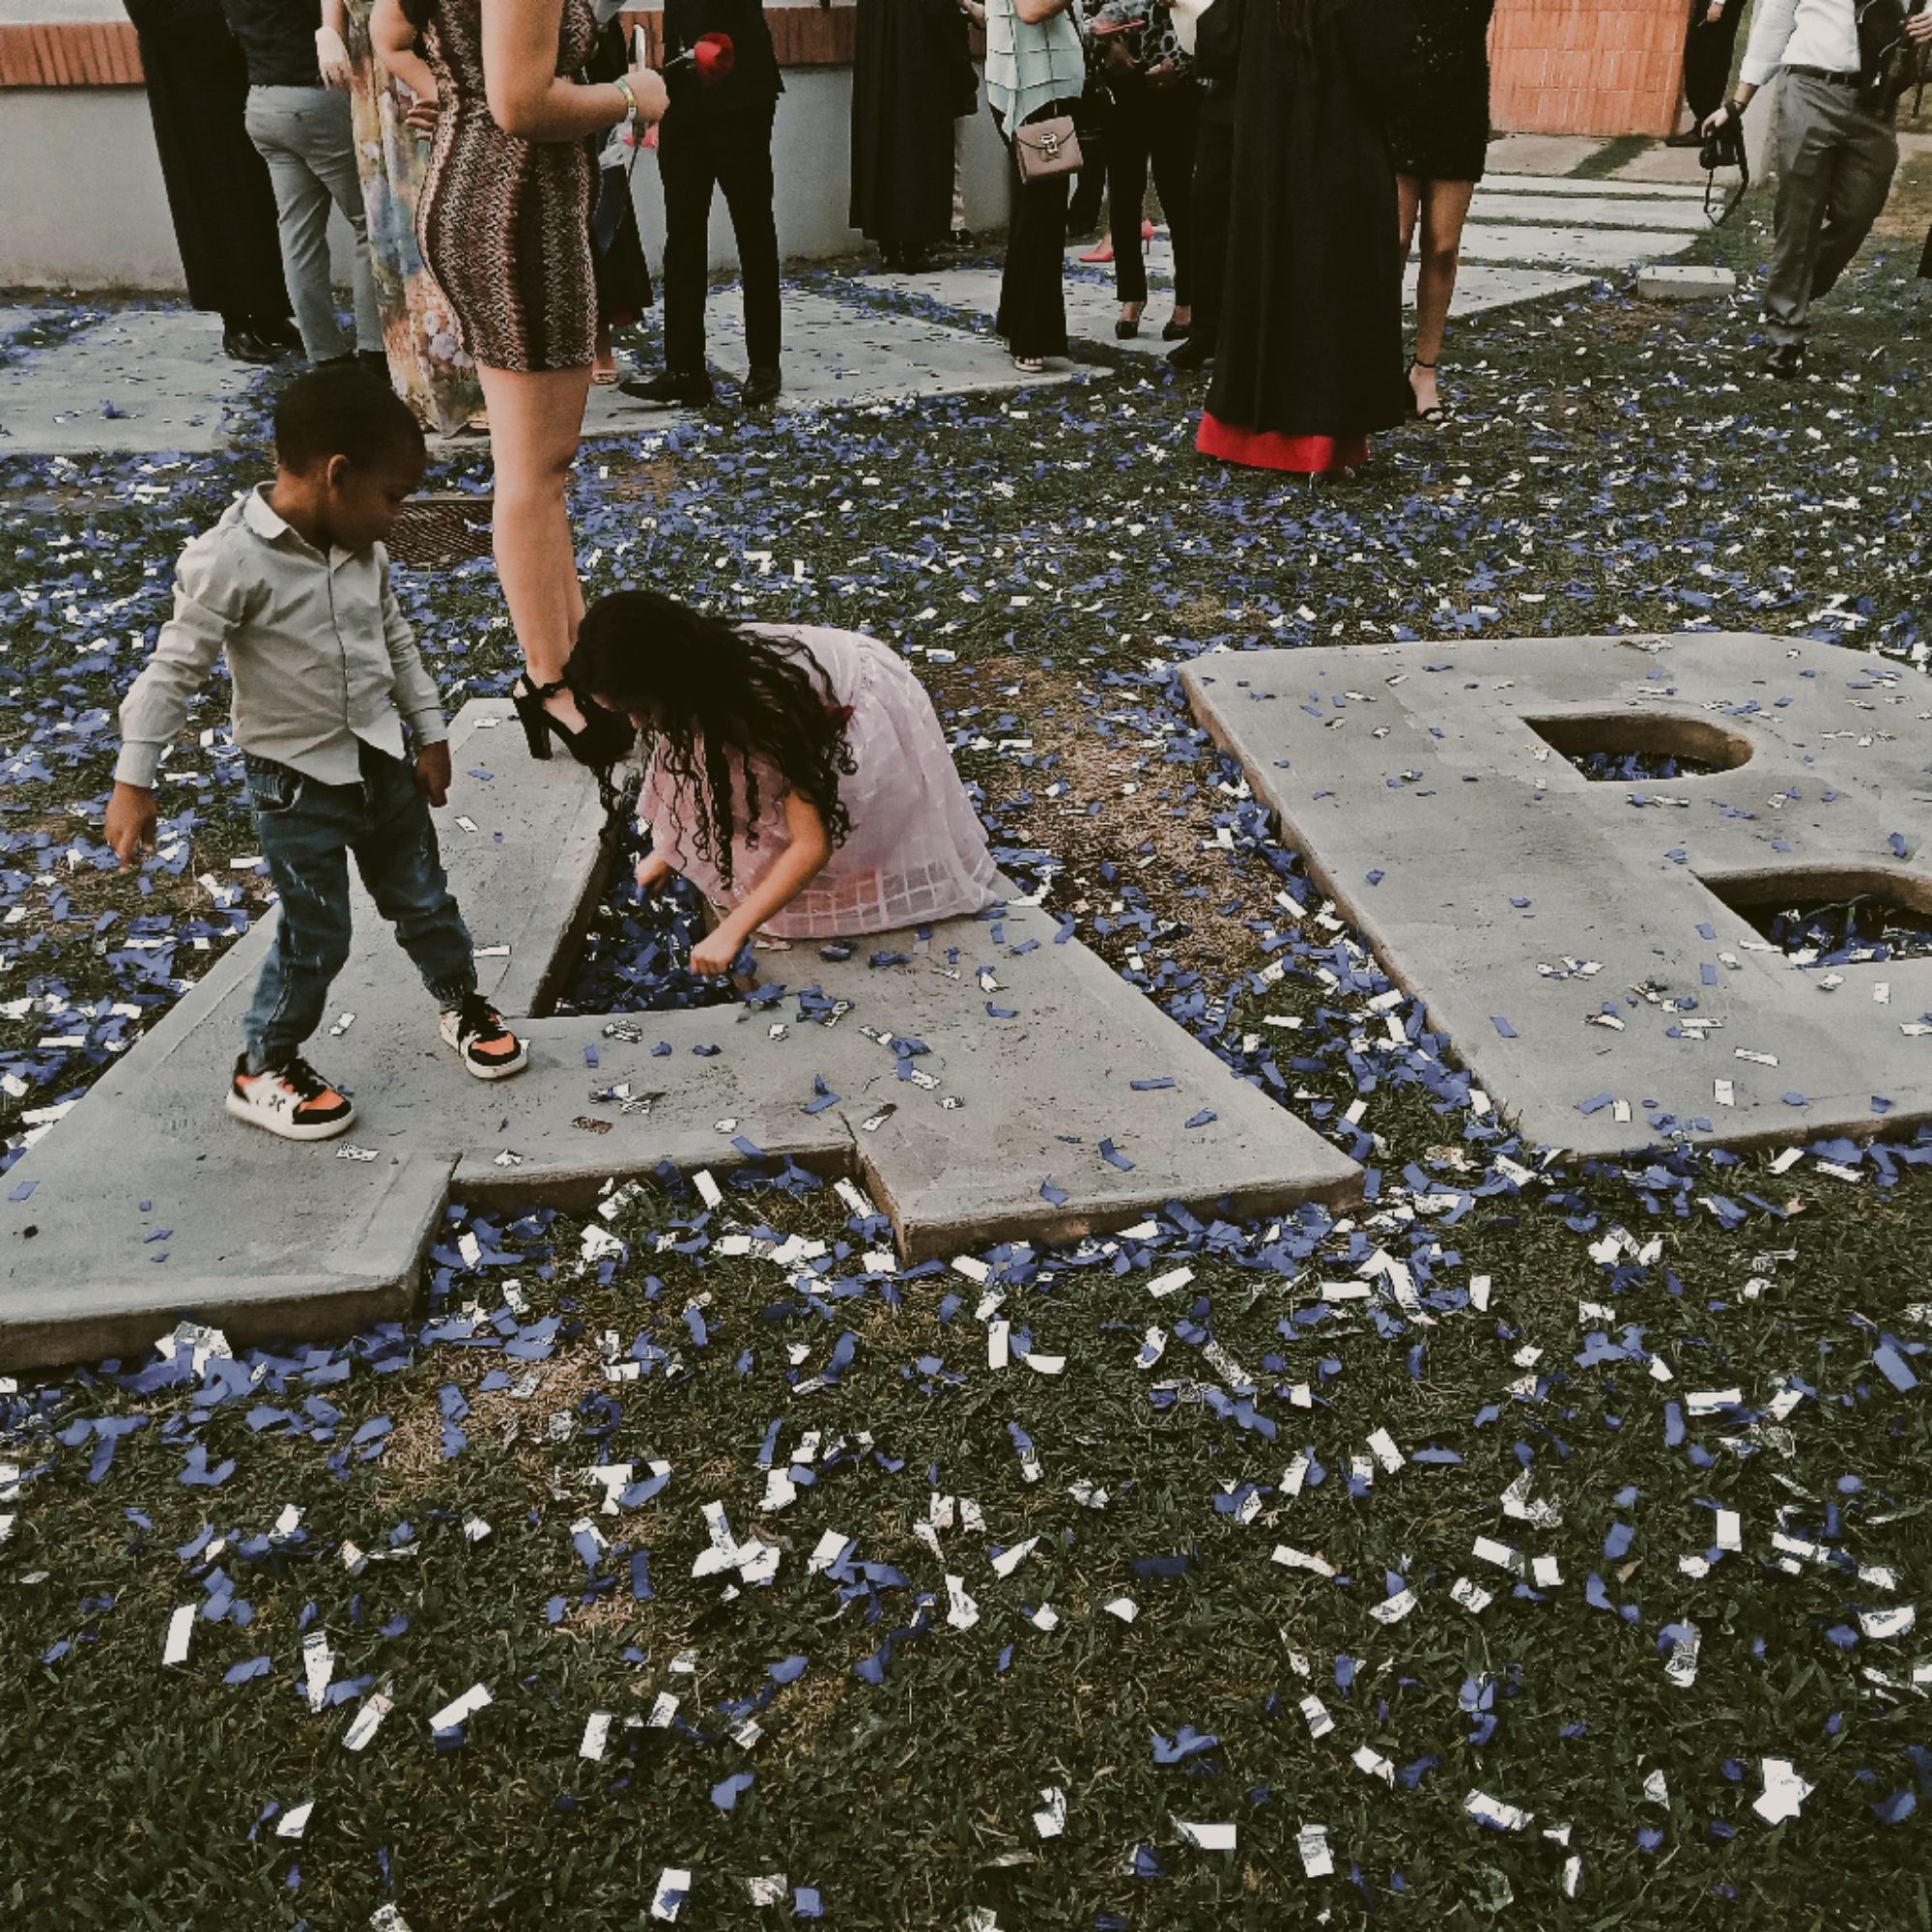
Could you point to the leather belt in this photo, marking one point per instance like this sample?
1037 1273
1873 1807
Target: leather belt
1829 74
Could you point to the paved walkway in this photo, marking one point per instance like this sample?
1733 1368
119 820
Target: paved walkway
147 380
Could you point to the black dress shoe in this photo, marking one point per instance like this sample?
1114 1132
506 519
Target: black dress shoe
376 361
671 389
243 345
1196 353
761 388
1177 331
963 238
278 330
1786 363
1689 138
919 261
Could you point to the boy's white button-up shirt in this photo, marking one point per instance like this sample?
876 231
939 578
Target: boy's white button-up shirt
320 655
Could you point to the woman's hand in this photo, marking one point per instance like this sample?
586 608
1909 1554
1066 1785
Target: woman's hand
714 954
422 113
647 84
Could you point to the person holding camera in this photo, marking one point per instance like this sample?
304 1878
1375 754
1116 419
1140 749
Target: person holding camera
1836 151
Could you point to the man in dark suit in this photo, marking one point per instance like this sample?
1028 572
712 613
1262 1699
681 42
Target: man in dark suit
717 134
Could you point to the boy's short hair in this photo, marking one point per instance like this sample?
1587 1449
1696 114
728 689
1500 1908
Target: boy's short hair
343 412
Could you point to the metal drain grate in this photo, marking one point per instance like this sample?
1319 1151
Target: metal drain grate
445 527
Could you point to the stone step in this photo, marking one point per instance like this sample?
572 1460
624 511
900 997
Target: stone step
1601 249
1591 210
266 1238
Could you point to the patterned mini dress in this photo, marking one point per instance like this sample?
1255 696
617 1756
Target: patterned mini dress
505 223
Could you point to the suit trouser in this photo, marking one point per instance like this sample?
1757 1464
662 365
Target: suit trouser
1708 46
697 152
1834 166
1213 203
304 134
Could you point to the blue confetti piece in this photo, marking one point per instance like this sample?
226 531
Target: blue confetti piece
1502 1026
1896 841
1596 1104
1894 1367
23 1189
1054 1197
1150 1086
1201 1119
1114 1157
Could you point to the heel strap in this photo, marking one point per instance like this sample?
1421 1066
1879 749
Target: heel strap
1416 362
556 689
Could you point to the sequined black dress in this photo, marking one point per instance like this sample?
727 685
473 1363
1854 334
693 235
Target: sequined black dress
1439 110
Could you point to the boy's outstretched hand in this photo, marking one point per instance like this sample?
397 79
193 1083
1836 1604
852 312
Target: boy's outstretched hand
432 772
131 823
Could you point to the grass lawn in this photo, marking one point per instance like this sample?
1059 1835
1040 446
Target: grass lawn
1504 1593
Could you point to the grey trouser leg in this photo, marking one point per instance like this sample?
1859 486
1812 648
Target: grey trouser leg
1835 168
305 135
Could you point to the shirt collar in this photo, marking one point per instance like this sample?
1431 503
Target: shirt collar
261 517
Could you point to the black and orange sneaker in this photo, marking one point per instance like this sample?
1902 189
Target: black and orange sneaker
292 1100
489 1050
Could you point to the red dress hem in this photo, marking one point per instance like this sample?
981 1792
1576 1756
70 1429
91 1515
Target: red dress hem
1270 450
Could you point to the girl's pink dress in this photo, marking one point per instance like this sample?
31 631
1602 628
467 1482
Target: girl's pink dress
916 851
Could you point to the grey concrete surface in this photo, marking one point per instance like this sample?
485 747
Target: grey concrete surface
1594 186
1592 211
142 380
1684 281
1540 153
1484 867
835 353
268 1238
1602 249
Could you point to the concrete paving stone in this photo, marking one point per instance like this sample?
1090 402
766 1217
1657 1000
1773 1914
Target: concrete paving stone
835 353
1585 189
13 320
1605 210
1480 286
1596 249
1540 153
1684 281
267 1238
160 371
1426 787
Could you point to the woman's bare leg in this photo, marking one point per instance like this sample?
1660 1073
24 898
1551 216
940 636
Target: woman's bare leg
1446 205
537 417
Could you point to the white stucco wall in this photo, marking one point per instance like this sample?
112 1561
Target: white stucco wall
82 205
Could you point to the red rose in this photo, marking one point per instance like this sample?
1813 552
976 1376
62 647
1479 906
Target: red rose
714 56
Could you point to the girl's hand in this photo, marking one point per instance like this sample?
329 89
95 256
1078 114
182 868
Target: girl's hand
653 870
332 57
647 84
714 954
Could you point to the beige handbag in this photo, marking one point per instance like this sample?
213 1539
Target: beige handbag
1043 149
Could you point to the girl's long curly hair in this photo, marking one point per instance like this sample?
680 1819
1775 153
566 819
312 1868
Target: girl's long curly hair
717 700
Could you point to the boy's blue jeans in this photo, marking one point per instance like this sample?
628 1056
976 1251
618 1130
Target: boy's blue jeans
307 831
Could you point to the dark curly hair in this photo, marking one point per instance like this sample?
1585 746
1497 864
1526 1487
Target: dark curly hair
716 700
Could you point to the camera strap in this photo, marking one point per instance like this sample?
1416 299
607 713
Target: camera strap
1742 160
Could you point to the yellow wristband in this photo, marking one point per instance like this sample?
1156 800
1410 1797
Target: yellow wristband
625 87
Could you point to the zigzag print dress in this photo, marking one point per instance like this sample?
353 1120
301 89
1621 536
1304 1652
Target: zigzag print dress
505 223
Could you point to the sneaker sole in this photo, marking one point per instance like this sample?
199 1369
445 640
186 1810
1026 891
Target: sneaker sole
503 1070
293 1130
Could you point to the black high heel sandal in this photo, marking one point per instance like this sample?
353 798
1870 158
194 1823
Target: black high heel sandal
605 737
1177 331
1127 327
1436 413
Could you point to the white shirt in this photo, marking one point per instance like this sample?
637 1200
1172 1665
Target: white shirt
320 654
1800 33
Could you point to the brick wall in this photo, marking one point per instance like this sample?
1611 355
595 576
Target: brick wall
1586 67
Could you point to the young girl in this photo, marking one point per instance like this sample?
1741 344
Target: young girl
797 777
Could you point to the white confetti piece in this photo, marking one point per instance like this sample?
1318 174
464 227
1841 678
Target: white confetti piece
596 1735
1009 1560
1124 1607
708 1190
1312 1842
1382 1446
1291 1558
1488 1810
1784 1791
1168 1282
180 1627
961 1611
318 1666
367 1720
1881 1624
389 1918
664 1708
1470 1596
1392 1610
1730 1532
673 1885
1315 1714
1050 1820
461 1709
293 1822
1681 1666
1209 1837
1373 1764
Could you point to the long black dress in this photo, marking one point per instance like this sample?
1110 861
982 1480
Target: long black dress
1439 114
1309 357
219 196
912 77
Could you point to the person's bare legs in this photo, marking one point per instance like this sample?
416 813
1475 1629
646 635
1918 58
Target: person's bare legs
1444 205
537 417
604 368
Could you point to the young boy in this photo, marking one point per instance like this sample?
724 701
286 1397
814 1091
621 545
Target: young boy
294 584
